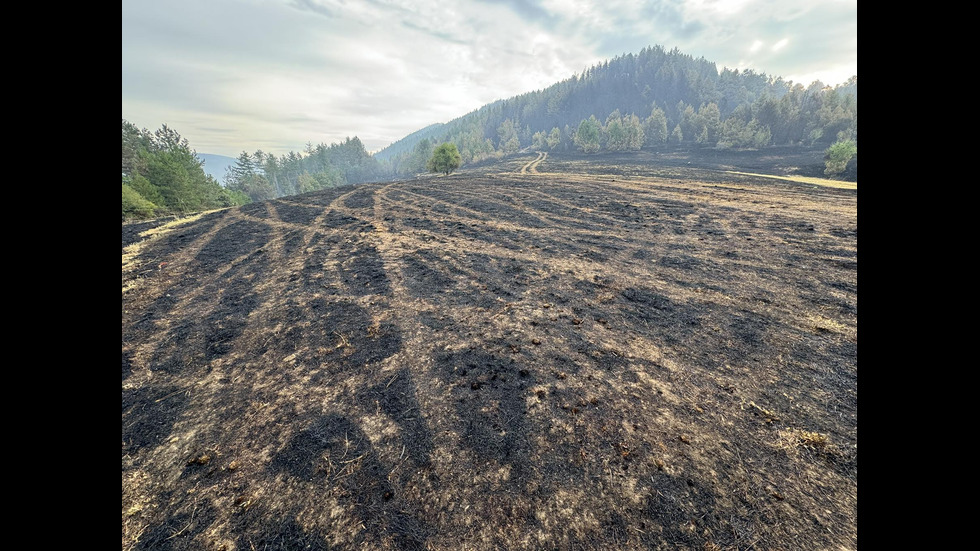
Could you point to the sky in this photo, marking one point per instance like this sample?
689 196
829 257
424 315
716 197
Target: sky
276 75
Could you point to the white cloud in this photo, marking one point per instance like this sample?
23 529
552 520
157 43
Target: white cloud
719 7
233 75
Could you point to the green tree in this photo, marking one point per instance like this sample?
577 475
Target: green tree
710 117
760 135
689 124
237 198
306 183
732 131
170 176
588 135
242 170
655 128
134 141
838 155
703 136
614 132
567 141
419 158
554 138
258 188
270 166
539 140
634 132
162 168
445 158
141 185
509 142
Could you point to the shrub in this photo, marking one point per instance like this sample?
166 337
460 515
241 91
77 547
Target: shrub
134 205
838 155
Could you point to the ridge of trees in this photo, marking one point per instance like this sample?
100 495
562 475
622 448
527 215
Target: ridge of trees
262 176
645 100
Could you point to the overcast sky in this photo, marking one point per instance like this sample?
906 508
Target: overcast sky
242 75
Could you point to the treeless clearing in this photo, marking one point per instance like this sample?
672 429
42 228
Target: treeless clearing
621 352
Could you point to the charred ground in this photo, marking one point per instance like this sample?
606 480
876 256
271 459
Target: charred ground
621 352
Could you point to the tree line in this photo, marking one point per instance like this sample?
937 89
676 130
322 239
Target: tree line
645 100
162 175
263 176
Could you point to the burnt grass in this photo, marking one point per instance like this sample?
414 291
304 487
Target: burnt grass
613 352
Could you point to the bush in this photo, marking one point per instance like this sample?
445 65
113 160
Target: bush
134 205
838 155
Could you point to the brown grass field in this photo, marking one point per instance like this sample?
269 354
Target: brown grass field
643 351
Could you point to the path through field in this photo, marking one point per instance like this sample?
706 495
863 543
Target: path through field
532 166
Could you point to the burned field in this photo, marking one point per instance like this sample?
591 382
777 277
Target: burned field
623 353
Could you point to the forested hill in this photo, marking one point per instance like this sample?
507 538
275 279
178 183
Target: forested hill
163 175
640 100
644 100
406 144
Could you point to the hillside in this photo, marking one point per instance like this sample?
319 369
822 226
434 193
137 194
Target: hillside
646 100
622 351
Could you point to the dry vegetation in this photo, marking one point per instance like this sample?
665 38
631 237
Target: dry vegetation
636 352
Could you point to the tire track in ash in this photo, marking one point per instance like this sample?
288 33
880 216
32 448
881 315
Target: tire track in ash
350 281
234 250
183 318
495 223
494 425
303 349
337 443
376 399
185 330
422 202
201 328
237 238
475 421
562 214
164 293
197 326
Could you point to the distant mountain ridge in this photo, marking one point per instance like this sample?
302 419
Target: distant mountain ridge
216 165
